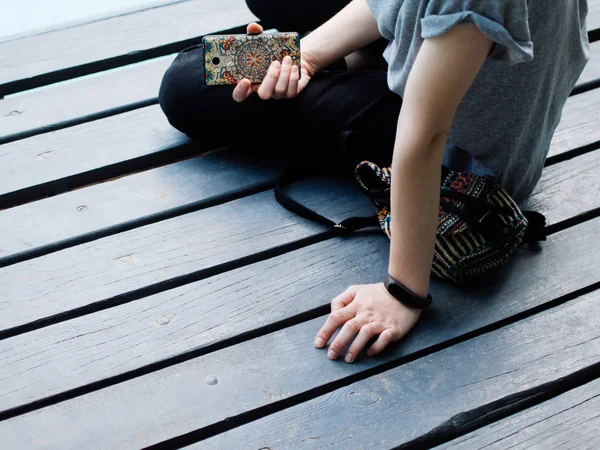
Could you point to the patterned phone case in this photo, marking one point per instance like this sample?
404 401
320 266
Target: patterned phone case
229 59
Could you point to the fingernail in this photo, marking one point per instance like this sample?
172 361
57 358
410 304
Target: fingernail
319 342
370 352
331 354
275 64
349 357
287 60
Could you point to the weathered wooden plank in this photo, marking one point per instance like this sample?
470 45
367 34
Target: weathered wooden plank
57 162
570 420
81 101
579 126
108 208
568 189
111 93
432 393
49 57
149 256
38 60
219 386
52 163
82 350
193 316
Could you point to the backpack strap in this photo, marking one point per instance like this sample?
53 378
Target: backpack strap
345 227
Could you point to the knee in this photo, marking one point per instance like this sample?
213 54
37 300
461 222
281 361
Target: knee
209 113
179 88
184 97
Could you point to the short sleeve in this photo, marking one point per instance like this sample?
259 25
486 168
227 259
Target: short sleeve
505 22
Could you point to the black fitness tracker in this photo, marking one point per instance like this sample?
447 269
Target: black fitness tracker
405 295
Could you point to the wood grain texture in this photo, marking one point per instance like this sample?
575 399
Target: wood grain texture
46 58
67 159
108 94
402 404
193 316
52 163
568 189
277 366
110 207
79 101
153 254
85 214
579 124
571 420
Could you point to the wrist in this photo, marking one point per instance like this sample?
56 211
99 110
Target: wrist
314 54
414 280
405 295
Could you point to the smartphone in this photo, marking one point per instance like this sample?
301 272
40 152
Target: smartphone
229 59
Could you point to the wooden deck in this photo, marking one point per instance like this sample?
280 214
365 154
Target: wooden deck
154 294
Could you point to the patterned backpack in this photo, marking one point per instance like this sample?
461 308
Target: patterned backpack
479 224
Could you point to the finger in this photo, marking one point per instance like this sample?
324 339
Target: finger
349 331
242 91
254 28
265 91
293 84
362 338
344 299
335 320
281 87
382 342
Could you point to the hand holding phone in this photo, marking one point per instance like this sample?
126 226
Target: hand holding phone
281 80
230 59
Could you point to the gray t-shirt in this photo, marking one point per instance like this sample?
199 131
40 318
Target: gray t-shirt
507 119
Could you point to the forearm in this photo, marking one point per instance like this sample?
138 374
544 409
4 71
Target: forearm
443 71
349 30
415 196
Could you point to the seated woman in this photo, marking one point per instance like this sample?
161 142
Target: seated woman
486 78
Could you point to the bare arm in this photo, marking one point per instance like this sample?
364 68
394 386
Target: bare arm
443 72
349 30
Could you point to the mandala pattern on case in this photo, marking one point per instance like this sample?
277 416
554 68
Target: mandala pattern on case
245 56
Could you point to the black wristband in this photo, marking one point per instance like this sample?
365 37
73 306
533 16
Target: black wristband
405 295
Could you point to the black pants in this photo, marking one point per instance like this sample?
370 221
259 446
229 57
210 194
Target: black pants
339 111
301 16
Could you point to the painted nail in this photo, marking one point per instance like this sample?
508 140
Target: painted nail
331 354
349 357
319 342
287 60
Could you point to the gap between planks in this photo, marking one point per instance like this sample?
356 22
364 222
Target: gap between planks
114 42
247 405
505 305
39 112
347 198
